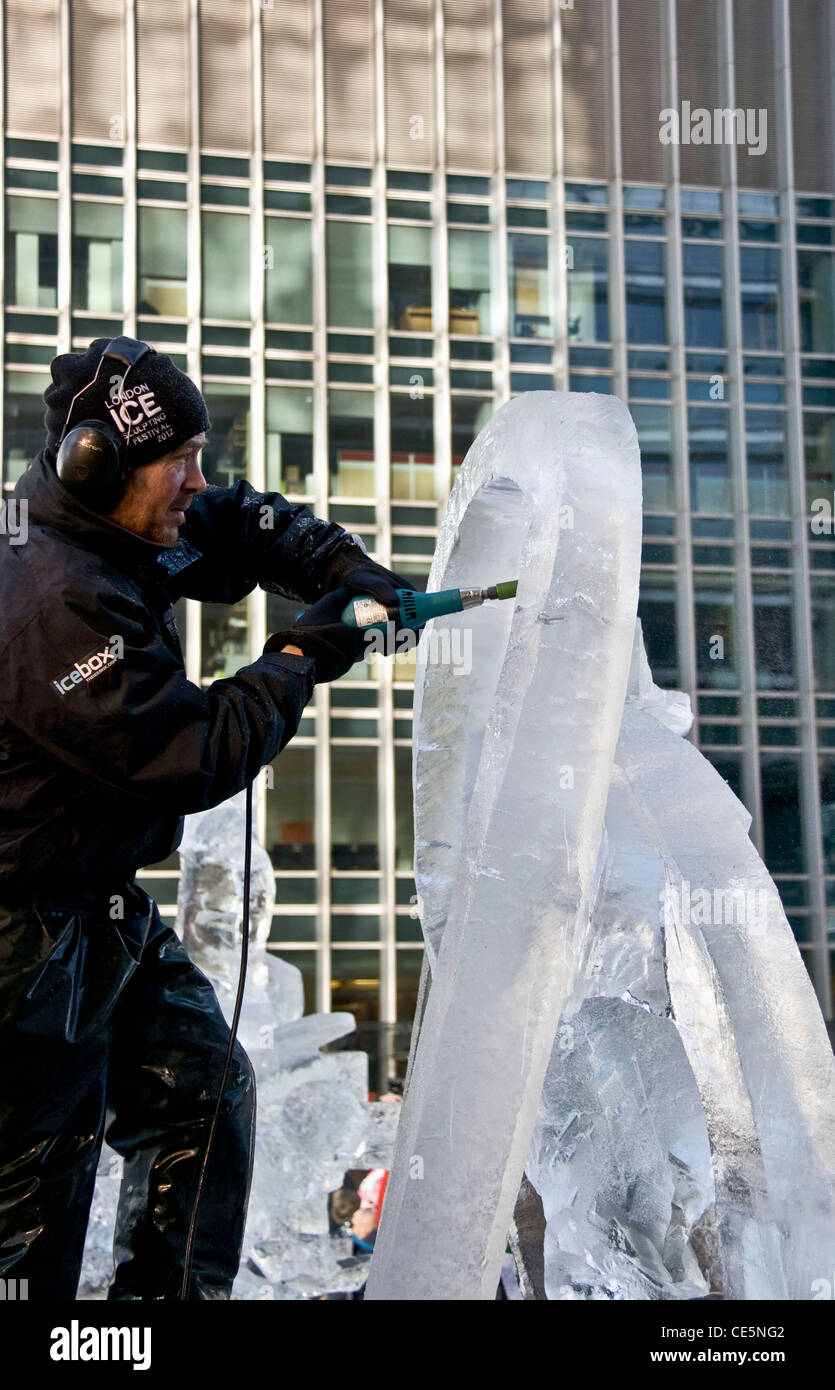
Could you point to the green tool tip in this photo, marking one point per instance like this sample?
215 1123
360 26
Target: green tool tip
508 589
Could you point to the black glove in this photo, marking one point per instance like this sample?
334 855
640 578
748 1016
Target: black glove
320 634
359 574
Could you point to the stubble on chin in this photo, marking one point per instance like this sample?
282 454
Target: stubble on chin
164 533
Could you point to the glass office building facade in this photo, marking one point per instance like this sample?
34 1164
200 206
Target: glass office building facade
361 225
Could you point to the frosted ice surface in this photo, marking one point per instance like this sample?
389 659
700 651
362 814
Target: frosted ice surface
209 901
97 1265
681 1129
383 1117
694 1017
505 860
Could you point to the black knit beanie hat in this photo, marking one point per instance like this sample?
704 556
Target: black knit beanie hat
160 407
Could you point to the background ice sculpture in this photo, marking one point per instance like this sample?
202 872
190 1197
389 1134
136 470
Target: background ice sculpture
313 1119
681 1134
551 492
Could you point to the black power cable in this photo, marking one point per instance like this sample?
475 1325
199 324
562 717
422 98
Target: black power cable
232 1033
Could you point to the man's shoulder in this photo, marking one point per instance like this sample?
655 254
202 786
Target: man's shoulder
49 573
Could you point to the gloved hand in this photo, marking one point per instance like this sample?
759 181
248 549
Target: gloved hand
321 635
353 568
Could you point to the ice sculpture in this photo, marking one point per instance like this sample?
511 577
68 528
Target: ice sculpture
505 857
684 1142
313 1119
662 1074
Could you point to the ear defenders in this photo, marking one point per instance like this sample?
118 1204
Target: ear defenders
92 455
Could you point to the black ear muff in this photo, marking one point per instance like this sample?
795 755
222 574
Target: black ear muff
90 464
91 456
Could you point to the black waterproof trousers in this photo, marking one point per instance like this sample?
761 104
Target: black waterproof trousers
107 1029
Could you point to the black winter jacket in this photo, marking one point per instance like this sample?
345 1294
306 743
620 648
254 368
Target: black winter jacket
104 743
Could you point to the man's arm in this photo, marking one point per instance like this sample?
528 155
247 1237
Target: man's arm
239 538
133 721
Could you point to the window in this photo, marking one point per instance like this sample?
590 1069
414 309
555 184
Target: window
645 292
404 851
289 441
351 444
32 252
225 459
715 616
816 280
823 632
768 483
409 965
162 245
819 449
588 290
760 276
530 300
469 282
225 639
354 926
97 257
355 988
410 278
657 612
288 273
469 415
349 275
774 632
412 448
654 427
354 837
782 822
703 323
710 484
23 427
290 838
827 791
225 266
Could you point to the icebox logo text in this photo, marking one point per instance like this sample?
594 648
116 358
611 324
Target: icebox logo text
91 666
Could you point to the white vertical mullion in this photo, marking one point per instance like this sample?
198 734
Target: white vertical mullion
558 240
257 239
501 321
684 604
321 480
2 258
810 780
442 403
129 247
385 752
380 298
617 257
65 183
832 88
194 228
257 601
322 765
194 281
743 584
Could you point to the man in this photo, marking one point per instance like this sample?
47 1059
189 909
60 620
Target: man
106 1027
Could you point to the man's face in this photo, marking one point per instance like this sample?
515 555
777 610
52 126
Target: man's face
156 496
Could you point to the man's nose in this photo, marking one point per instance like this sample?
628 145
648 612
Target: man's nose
194 480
